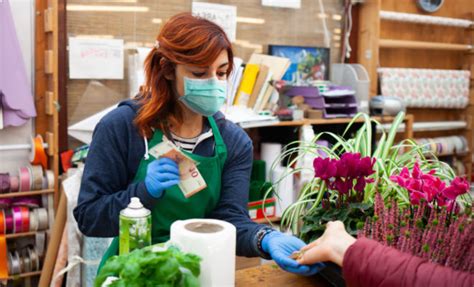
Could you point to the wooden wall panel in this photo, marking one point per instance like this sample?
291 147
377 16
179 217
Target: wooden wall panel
282 26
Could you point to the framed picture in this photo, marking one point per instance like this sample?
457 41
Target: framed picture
308 64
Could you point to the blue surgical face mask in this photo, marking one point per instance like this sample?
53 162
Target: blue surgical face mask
204 96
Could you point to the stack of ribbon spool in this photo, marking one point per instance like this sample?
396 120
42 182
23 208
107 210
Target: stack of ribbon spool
23 261
442 146
19 219
29 178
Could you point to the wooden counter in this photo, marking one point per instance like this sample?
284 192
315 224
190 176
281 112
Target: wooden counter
272 275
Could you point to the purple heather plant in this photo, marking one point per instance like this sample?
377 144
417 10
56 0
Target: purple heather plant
431 233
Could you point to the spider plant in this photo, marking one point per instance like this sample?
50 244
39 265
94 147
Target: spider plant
390 157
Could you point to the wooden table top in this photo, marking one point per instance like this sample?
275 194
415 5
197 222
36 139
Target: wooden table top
272 275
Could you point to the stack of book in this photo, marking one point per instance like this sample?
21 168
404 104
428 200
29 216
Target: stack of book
250 85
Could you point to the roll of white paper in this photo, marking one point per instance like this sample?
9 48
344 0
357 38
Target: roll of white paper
283 183
270 152
212 240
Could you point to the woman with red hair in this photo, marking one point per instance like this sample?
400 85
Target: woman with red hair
185 87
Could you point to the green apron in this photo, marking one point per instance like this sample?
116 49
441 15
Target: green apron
173 205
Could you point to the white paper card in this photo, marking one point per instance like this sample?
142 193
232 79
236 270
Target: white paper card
295 4
223 15
92 58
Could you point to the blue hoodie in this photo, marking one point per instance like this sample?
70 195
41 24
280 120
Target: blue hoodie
114 155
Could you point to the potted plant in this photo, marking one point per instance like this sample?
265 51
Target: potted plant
348 175
372 191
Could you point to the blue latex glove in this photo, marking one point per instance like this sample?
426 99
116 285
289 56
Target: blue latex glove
161 174
281 246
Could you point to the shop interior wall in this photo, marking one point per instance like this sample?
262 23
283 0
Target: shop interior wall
23 16
281 26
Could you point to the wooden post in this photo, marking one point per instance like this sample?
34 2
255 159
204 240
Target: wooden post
369 33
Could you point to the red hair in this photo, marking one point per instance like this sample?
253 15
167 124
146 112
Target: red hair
184 39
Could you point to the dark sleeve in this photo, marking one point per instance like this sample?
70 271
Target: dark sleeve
368 263
232 206
106 186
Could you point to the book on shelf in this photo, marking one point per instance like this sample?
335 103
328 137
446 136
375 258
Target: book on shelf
247 84
278 65
259 84
234 80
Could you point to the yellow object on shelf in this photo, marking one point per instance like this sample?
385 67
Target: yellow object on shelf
246 86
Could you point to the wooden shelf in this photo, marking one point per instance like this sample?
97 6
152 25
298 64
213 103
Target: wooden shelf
326 121
26 193
273 219
391 43
24 275
23 234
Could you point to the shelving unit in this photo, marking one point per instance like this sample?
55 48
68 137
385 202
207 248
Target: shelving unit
46 99
405 42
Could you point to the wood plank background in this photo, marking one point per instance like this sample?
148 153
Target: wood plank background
282 26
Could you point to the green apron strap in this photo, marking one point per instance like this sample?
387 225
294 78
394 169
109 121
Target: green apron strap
221 148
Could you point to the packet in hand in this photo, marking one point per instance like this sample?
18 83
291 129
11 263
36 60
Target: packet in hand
191 181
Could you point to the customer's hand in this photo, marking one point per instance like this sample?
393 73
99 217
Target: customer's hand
330 247
161 174
281 246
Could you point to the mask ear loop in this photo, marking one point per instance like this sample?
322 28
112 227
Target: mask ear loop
146 156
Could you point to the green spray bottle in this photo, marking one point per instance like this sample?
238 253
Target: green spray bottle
135 227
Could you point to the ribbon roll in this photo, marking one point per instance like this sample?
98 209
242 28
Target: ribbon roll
4 182
25 179
40 239
34 220
50 178
45 182
5 203
21 219
25 216
4 258
9 223
25 257
3 226
44 200
38 154
14 184
30 201
14 263
42 215
36 177
17 220
34 259
50 210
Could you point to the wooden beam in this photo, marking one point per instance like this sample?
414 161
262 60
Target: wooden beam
369 33
62 77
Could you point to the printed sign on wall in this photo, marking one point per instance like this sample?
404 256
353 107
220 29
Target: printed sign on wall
92 58
223 15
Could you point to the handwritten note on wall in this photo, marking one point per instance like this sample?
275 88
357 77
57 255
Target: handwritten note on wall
223 15
92 58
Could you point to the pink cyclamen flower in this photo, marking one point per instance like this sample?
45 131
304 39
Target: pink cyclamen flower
458 187
348 164
324 168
